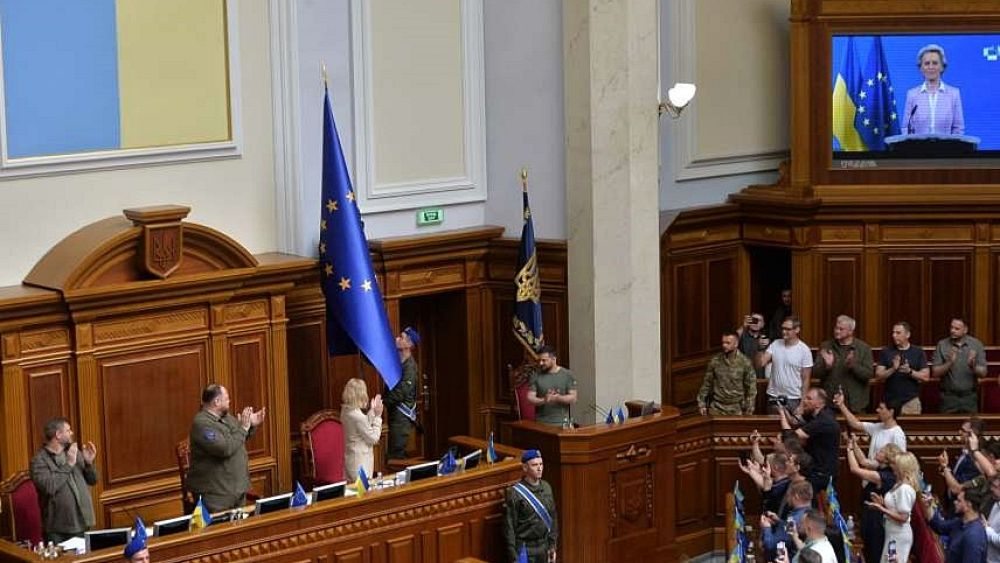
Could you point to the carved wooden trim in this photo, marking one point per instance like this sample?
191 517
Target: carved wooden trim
129 328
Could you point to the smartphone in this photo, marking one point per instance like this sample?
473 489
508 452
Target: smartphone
781 546
744 456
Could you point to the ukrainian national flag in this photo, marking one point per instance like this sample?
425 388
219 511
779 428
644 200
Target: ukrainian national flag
491 452
361 484
200 517
355 314
846 86
106 75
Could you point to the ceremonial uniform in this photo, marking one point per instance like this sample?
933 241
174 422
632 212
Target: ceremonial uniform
405 394
524 526
730 385
219 470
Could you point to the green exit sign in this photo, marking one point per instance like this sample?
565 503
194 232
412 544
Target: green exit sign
430 216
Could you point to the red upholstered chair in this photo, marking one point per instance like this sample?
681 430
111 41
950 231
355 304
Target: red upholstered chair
519 377
322 448
20 498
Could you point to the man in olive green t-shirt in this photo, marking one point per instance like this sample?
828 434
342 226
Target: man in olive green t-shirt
552 390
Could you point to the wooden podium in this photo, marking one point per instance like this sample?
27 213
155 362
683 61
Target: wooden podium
613 486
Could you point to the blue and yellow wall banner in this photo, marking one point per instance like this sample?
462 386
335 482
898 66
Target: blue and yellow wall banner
103 75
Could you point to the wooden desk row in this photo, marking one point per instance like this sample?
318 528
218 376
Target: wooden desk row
438 520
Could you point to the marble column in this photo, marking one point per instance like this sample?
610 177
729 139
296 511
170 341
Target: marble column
610 62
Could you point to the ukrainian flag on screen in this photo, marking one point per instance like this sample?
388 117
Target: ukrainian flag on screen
847 82
113 74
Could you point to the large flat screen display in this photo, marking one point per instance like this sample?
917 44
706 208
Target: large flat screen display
911 100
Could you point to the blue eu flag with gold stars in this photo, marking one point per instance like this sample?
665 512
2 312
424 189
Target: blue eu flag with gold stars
355 314
876 100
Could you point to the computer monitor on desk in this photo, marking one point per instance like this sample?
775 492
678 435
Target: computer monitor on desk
469 461
103 539
272 504
172 526
421 471
327 492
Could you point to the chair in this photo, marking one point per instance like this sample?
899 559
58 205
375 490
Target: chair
18 494
322 448
520 378
183 451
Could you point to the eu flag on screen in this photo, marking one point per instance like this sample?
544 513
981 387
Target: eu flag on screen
846 86
876 117
528 300
355 315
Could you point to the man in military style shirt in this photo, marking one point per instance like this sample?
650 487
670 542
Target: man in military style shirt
959 361
401 401
219 471
530 514
845 362
552 390
62 473
730 384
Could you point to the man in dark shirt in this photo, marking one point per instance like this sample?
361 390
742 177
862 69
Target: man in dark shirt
753 339
820 436
966 532
782 312
902 366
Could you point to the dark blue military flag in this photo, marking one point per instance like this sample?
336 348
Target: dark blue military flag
528 299
355 315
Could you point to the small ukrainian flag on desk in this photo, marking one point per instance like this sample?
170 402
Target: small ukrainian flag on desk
361 484
200 518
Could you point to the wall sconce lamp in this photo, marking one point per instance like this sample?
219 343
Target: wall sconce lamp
678 97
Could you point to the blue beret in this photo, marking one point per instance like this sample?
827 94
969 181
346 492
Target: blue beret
412 334
138 541
529 455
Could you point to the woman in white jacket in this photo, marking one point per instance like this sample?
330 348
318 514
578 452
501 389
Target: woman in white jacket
361 430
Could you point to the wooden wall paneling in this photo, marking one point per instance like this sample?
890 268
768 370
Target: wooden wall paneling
876 288
403 549
91 426
982 282
280 399
904 293
689 326
250 373
49 395
805 296
951 289
723 296
308 387
15 449
451 542
476 393
841 277
147 398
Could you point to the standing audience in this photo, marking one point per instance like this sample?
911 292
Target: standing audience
791 367
959 361
902 366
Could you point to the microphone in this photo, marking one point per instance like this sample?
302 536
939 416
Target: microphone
909 120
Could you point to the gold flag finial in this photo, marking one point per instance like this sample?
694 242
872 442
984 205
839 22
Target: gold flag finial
524 179
326 77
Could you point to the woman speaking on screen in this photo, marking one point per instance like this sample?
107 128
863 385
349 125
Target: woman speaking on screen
933 107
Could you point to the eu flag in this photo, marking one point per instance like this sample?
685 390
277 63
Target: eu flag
846 86
355 315
876 117
528 301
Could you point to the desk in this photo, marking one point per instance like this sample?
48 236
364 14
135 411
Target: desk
613 486
437 520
